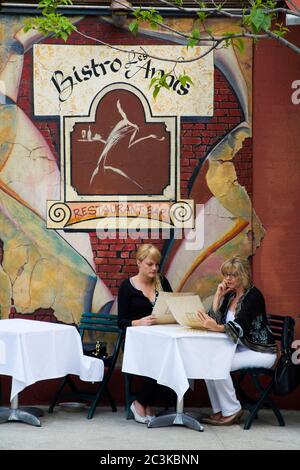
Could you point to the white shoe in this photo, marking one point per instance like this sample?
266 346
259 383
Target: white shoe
138 418
150 418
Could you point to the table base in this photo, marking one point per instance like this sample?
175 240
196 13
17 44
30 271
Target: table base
24 414
180 419
28 417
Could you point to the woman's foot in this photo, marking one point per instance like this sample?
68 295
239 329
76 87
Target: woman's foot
216 415
139 412
225 420
229 420
210 418
149 412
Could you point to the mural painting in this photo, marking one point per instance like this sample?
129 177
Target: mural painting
73 150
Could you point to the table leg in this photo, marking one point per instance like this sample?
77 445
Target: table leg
20 414
180 418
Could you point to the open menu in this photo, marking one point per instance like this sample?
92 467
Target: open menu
178 307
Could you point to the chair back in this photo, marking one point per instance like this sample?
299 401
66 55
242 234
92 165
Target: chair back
283 330
104 323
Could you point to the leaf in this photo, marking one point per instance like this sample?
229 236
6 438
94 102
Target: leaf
193 38
153 80
156 91
260 20
64 35
184 79
239 44
134 27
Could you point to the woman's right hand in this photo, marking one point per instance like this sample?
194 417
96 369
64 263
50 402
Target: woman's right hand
145 321
222 289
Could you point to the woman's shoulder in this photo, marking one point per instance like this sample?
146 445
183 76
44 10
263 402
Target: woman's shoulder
255 294
126 284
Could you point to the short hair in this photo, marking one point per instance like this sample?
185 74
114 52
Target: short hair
239 266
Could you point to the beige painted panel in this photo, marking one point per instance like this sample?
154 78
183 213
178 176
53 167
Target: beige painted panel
68 77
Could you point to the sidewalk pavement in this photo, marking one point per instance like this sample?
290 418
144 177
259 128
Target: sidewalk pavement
70 430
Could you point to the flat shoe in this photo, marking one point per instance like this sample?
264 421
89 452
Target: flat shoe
208 420
138 418
228 420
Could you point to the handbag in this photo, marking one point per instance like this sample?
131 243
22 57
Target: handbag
287 374
95 349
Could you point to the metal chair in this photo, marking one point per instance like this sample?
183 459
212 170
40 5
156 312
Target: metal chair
283 330
106 324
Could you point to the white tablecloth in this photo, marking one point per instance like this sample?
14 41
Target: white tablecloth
32 350
172 354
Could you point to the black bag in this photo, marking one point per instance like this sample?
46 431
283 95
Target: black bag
287 373
95 349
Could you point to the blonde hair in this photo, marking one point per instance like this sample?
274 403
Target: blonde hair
239 266
150 250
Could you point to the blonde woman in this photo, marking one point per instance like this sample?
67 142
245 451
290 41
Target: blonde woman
238 310
136 299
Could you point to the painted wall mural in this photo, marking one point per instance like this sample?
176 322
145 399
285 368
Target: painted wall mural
78 144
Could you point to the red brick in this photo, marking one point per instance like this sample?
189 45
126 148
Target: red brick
235 112
118 247
118 275
191 140
187 154
103 261
129 269
228 104
116 261
108 254
130 261
108 268
217 126
101 247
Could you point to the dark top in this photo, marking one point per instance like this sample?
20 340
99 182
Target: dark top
250 323
133 304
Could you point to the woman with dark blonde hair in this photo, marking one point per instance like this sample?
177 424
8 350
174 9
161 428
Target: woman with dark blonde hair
238 309
136 298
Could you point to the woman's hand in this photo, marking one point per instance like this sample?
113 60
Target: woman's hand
222 289
209 323
145 321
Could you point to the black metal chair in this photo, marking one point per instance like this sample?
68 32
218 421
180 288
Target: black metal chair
106 324
283 329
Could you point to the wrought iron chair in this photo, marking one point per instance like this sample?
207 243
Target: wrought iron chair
283 329
106 324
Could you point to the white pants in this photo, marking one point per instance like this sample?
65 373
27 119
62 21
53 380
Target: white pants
222 393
